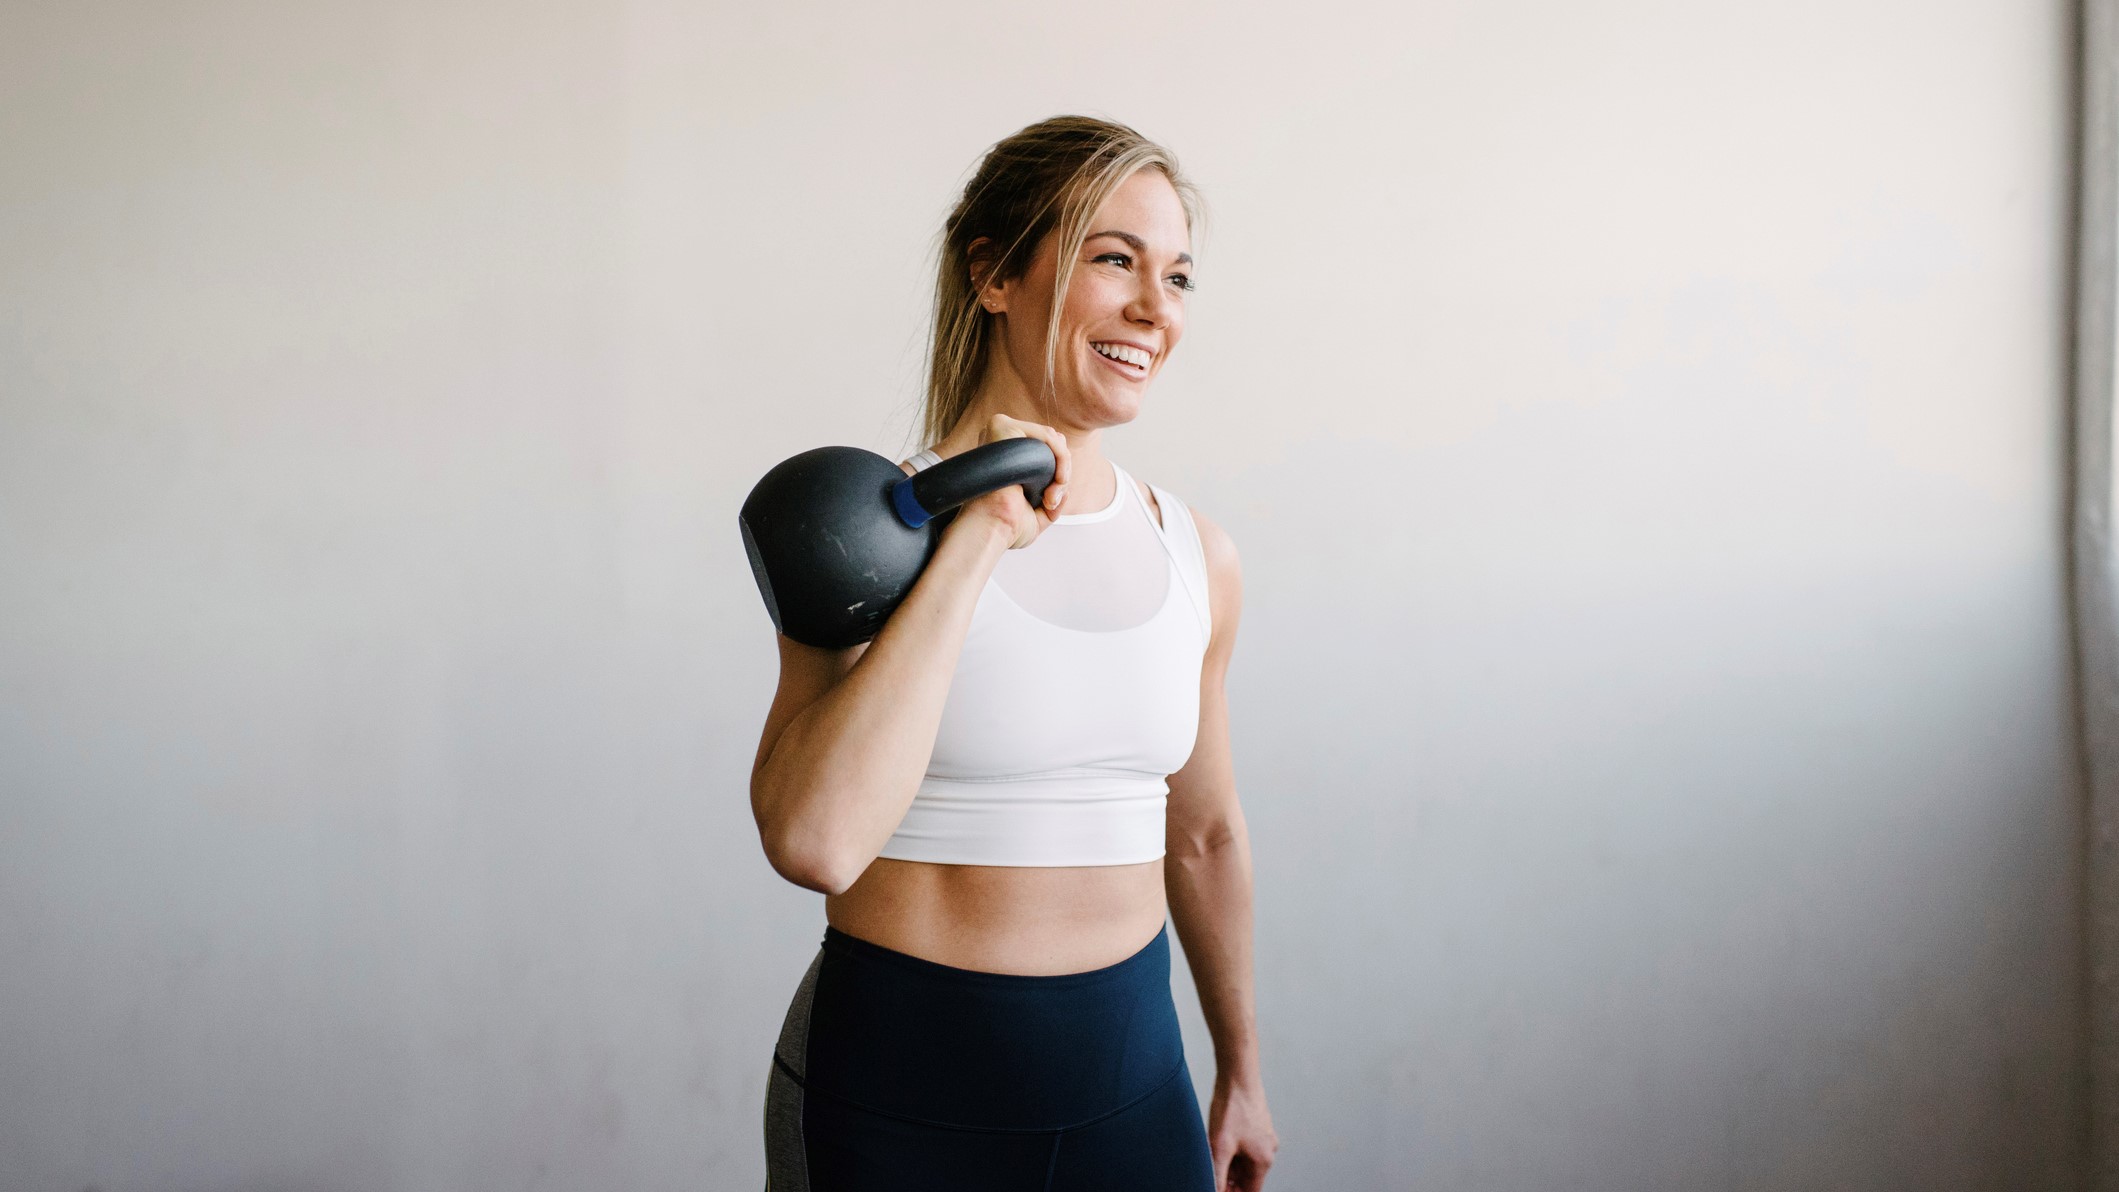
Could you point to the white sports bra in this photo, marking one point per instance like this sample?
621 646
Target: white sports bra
1076 695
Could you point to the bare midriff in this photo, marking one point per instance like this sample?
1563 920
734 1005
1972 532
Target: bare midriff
1033 921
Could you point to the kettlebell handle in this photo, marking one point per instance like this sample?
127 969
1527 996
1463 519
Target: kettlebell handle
930 492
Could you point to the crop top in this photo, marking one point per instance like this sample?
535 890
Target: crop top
1075 696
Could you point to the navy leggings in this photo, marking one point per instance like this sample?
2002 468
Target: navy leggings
895 1074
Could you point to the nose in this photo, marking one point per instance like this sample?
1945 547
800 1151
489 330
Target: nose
1152 304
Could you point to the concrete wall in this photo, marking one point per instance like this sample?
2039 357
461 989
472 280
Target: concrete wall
1641 422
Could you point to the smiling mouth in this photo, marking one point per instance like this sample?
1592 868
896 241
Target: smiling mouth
1130 360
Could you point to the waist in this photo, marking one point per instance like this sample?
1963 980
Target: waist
1005 919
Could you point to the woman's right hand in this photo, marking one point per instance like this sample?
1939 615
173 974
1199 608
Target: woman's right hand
1007 505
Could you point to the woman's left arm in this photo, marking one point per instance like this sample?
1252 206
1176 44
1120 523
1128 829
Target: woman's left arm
1207 876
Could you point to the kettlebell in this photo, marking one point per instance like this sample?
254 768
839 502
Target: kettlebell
837 535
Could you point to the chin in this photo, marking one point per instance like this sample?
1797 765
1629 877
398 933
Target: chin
1113 407
1119 414
1097 409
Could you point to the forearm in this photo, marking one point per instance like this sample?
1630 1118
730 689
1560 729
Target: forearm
842 773
1210 902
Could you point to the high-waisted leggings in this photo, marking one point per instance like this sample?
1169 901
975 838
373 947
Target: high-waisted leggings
894 1074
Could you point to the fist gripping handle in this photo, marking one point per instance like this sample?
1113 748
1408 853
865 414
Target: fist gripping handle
981 470
837 535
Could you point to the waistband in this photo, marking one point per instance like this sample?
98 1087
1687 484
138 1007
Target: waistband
1058 819
928 1042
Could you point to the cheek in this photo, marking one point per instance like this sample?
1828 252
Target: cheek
1094 299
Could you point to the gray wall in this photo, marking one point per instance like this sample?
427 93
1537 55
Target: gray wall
1641 422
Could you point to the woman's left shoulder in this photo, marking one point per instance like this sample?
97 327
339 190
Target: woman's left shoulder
1224 587
1224 574
1220 549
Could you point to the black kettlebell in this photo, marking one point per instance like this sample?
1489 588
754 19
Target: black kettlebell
837 535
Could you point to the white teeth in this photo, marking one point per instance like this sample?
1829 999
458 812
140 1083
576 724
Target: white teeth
1121 352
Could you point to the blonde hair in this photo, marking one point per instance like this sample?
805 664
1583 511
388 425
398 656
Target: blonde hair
1048 178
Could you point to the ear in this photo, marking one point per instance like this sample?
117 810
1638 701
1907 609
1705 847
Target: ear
993 295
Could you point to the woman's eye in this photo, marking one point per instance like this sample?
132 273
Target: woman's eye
1183 280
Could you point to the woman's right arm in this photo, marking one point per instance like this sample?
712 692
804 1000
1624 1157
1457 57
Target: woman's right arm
851 730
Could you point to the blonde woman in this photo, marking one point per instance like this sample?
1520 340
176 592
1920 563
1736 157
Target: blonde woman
1004 794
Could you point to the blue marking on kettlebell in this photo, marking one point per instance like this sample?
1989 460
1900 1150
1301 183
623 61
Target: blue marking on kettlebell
908 506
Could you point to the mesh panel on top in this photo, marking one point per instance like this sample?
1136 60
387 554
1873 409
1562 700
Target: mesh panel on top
1096 572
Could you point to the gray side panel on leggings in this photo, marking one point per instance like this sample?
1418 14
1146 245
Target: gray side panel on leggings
786 1160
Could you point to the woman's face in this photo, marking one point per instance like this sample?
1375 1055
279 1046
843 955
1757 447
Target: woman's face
1124 312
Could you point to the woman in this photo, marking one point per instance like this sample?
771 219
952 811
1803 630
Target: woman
988 791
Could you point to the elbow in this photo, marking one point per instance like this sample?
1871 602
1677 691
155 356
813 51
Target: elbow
1194 842
808 871
804 858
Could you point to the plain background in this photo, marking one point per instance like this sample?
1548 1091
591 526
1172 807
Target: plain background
1642 425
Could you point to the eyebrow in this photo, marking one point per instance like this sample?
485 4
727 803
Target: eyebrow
1139 245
